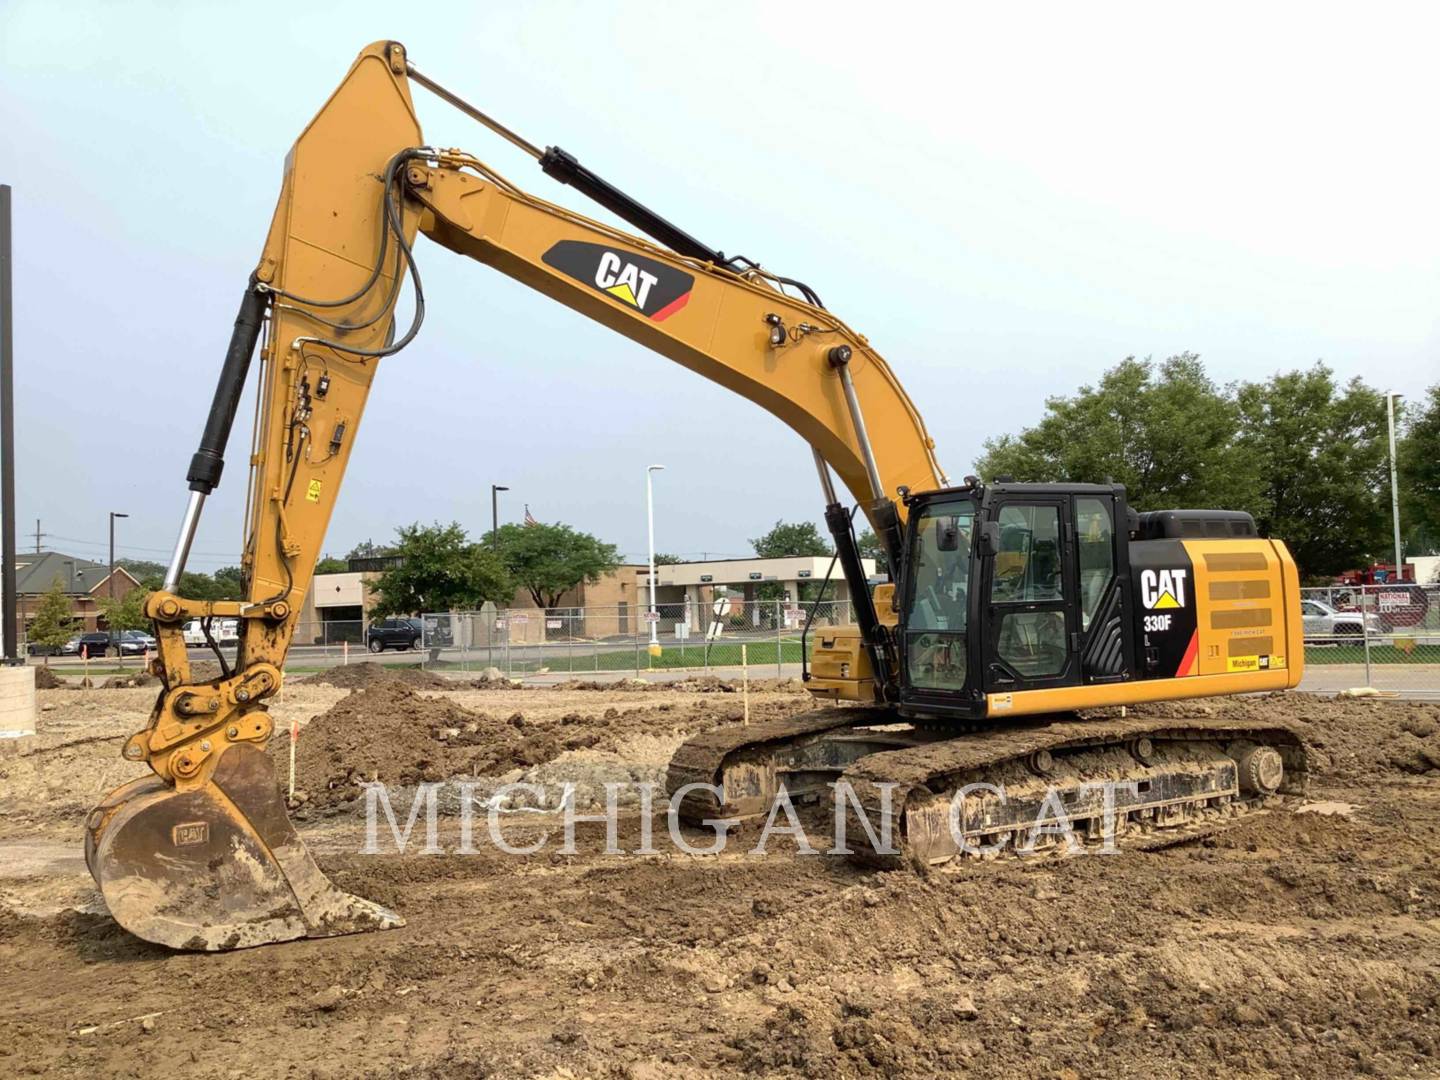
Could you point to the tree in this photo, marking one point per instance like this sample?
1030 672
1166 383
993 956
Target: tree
368 549
871 548
52 624
441 570
664 558
788 539
329 565
141 569
1321 455
549 560
1163 430
1418 456
230 583
127 612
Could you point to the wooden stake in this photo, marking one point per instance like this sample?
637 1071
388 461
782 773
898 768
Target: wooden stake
294 736
745 681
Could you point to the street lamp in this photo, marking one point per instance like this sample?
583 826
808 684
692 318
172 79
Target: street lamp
113 516
495 490
1390 398
650 472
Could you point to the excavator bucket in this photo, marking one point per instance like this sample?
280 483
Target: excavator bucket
218 866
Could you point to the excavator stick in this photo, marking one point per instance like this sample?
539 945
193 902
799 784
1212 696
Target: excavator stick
218 866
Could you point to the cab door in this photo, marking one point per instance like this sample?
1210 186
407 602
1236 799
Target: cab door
1031 624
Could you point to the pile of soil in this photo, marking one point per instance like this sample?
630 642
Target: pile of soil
368 674
700 684
390 733
127 682
1349 739
45 679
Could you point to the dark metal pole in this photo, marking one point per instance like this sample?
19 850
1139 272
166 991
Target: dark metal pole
7 431
495 490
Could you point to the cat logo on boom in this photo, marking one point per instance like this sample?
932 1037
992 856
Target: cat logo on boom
1161 589
642 284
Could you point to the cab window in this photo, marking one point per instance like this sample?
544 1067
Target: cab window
940 595
1095 536
1027 566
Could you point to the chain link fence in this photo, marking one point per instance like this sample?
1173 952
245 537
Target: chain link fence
1382 636
697 636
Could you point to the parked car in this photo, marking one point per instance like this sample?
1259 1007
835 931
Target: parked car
135 642
95 644
393 634
70 648
1321 621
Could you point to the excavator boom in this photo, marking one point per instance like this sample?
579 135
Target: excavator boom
201 854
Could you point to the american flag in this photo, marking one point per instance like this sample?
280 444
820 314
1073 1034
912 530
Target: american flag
529 517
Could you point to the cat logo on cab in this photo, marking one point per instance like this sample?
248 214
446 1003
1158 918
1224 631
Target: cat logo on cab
647 285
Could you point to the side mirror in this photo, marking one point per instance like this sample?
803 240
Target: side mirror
988 540
947 535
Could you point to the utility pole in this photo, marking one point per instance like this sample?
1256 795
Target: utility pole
650 472
495 490
7 434
113 516
38 535
1394 483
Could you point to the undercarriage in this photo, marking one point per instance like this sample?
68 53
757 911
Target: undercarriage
929 794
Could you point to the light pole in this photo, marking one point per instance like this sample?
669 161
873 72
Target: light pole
495 490
113 516
1394 483
650 472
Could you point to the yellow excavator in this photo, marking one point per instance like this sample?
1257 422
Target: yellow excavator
1010 607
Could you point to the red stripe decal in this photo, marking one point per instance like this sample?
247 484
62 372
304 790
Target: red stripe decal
1187 662
670 308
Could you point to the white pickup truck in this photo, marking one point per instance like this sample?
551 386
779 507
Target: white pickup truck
224 631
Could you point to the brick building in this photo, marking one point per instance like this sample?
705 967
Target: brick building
86 583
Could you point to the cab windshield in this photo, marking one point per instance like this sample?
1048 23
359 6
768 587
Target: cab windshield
939 595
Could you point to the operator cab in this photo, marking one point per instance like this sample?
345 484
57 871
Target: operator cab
1012 587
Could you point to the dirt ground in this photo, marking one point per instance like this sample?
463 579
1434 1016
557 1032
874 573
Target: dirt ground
1303 941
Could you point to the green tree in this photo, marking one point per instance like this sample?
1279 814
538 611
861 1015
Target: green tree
442 570
1163 430
230 583
143 568
1321 454
368 549
787 539
870 547
664 558
1418 456
126 612
549 560
330 565
52 624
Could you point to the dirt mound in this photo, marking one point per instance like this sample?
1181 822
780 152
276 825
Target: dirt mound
367 674
45 679
127 682
1349 738
388 732
699 684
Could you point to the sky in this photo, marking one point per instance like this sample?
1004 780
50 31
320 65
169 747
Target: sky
1005 199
